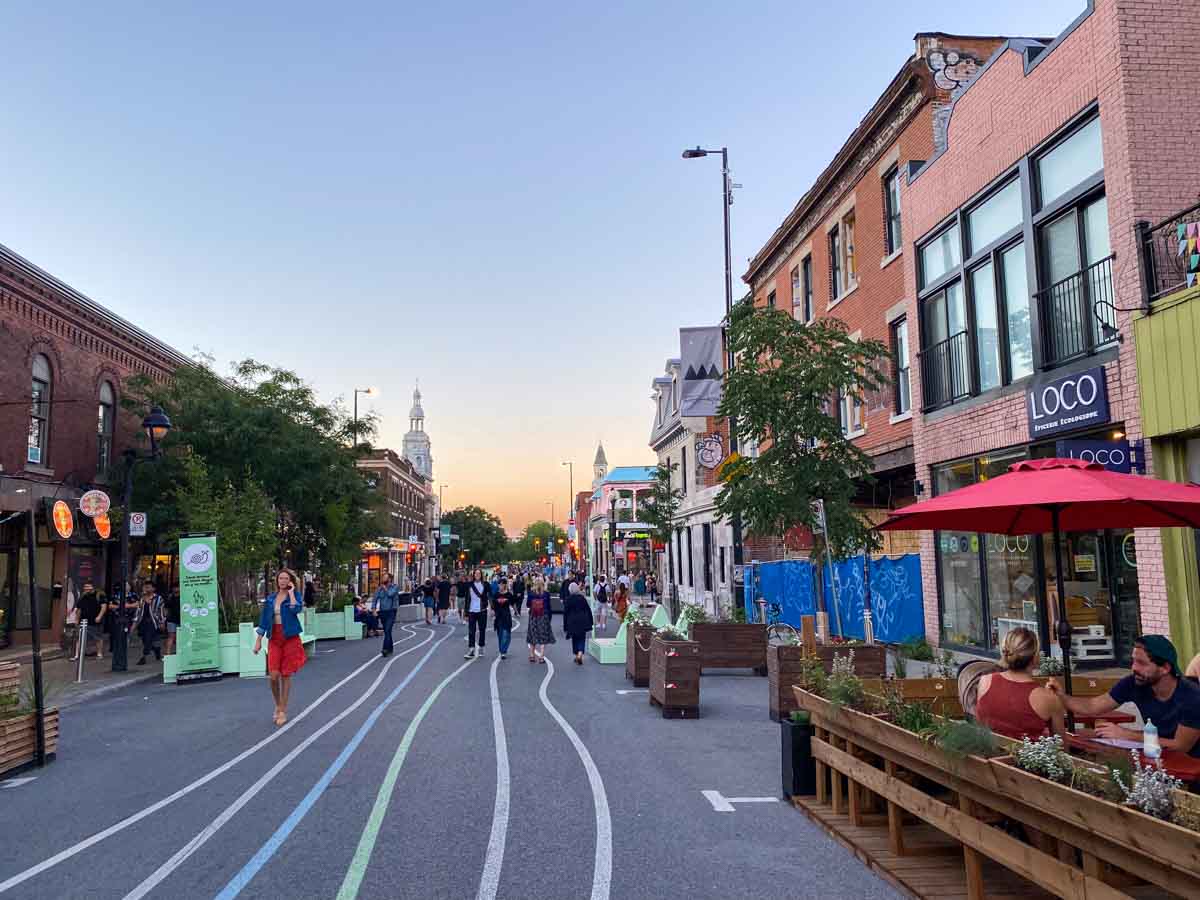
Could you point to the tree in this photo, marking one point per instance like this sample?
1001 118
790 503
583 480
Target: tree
538 539
481 532
660 512
782 393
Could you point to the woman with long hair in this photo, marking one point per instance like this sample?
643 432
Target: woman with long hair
280 620
1011 702
538 632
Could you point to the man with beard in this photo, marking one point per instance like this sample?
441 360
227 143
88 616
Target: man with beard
1155 687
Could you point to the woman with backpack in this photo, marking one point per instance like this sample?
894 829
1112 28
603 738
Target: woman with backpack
538 632
601 596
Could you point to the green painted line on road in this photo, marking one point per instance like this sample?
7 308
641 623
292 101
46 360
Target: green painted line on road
366 844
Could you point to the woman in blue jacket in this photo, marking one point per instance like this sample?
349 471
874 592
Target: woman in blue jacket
280 620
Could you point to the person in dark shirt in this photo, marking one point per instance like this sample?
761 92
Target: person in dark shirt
1157 689
92 606
444 587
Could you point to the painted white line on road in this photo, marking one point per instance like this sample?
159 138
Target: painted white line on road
634 691
74 849
16 782
602 866
489 882
724 804
181 855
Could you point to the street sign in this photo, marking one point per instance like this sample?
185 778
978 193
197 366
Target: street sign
94 503
445 534
137 524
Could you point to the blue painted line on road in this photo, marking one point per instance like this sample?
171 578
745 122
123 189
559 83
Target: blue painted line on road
238 883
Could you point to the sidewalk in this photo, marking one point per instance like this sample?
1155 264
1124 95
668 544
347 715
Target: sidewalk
58 674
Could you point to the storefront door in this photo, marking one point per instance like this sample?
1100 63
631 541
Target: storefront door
7 587
1126 620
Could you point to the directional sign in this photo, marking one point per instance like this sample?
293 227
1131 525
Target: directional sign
725 804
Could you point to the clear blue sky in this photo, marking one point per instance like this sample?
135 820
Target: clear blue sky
485 196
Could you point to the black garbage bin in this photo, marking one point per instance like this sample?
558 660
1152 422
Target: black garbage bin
799 767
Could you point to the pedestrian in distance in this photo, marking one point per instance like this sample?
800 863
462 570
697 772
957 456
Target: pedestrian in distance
93 606
600 594
621 601
577 621
502 617
171 608
149 620
280 622
364 615
384 604
444 589
479 592
652 587
429 600
460 589
538 632
518 592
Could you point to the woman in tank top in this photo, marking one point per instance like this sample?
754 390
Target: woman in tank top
1011 702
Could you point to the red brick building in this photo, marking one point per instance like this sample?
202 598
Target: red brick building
64 361
841 253
1020 262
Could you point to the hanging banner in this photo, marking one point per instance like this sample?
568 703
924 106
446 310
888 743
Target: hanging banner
199 645
700 350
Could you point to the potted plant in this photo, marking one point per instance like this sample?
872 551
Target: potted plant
727 645
870 660
675 674
799 767
638 635
18 721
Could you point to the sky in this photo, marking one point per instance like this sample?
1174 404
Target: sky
486 197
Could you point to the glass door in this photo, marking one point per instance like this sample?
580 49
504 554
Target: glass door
7 611
1126 622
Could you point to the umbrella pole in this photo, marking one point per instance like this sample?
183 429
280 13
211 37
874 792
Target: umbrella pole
1064 627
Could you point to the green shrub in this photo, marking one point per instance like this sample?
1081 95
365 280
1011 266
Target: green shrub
960 739
800 717
918 649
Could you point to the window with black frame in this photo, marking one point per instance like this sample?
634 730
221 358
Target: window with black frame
900 380
891 201
806 274
978 313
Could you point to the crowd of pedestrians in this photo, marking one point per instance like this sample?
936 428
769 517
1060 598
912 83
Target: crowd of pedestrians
141 612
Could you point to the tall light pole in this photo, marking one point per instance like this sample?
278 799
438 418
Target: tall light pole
369 392
571 495
726 202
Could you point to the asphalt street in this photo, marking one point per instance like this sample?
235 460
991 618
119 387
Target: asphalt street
417 776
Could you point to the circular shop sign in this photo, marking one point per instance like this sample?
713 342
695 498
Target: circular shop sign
94 503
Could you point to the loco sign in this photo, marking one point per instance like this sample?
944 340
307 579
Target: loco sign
1068 403
1116 456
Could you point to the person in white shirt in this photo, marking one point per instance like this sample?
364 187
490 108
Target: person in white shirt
479 593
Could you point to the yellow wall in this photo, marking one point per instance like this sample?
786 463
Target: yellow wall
1168 368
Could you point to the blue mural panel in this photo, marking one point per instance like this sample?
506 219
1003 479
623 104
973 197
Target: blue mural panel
896 598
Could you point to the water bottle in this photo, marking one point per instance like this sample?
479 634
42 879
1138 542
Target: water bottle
1151 749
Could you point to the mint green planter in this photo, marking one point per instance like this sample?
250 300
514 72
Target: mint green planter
351 630
610 651
660 618
170 668
681 623
250 665
230 644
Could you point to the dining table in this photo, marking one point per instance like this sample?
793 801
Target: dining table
1183 766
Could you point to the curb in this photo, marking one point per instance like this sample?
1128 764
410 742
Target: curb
103 689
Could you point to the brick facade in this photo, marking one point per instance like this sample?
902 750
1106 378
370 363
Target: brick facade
1124 56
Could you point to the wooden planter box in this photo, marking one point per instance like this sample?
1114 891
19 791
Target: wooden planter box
675 678
870 660
731 645
637 660
783 674
10 678
18 739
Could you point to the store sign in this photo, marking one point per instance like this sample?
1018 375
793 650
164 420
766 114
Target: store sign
1068 403
199 644
1116 456
103 526
94 503
63 519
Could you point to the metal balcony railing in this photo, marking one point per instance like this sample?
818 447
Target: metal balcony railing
1164 268
946 371
1078 314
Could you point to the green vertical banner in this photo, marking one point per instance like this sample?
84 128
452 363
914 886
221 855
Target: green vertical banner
198 638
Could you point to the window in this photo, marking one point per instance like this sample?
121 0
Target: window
806 275
987 335
39 412
1070 162
849 269
1077 267
995 217
691 569
683 484
797 295
891 207
945 361
771 300
706 533
835 264
940 255
1016 310
850 411
721 565
903 390
104 427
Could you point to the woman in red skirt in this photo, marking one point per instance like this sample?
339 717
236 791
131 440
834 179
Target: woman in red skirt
285 653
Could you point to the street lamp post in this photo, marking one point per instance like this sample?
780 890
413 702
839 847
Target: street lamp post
726 202
368 392
157 425
612 533
571 496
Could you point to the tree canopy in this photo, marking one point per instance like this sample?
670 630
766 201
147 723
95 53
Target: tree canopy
784 392
660 512
482 535
535 541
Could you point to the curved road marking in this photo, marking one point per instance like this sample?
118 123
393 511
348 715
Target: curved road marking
366 844
75 849
182 854
602 871
268 850
494 862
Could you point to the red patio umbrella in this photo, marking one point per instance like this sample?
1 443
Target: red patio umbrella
1056 495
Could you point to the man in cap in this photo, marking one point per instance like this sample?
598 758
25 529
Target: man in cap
1155 687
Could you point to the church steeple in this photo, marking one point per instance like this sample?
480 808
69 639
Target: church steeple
599 466
416 442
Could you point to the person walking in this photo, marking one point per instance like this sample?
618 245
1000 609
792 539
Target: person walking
600 594
577 621
518 592
461 590
478 594
92 606
444 588
384 603
148 621
502 617
652 587
621 601
280 620
538 632
171 608
429 600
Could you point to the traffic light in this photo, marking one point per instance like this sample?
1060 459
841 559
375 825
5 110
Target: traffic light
461 557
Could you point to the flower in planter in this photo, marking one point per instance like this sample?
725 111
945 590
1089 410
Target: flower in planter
693 613
670 633
1045 757
1049 665
1152 790
844 688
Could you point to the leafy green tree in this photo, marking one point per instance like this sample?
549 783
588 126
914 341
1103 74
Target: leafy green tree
535 541
783 393
482 535
660 512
